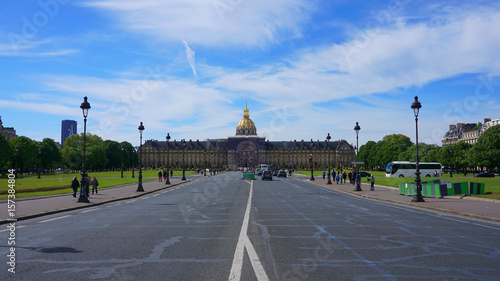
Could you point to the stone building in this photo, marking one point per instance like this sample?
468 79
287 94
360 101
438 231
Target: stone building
8 132
467 132
246 150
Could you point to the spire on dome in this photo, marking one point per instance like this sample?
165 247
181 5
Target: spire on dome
246 115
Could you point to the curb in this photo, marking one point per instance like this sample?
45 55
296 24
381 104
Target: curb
87 205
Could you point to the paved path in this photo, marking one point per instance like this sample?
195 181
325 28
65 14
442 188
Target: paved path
486 209
36 206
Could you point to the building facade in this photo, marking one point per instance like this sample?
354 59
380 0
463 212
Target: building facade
468 133
68 128
246 150
8 132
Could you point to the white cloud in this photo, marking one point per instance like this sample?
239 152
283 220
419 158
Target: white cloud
213 23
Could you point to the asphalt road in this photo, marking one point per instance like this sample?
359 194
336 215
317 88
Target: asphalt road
225 228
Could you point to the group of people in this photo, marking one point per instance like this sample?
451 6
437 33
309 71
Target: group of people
342 177
162 175
75 184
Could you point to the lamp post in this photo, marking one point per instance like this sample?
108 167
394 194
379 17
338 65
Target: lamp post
85 106
168 160
205 166
328 138
122 162
358 179
311 163
417 197
183 161
17 156
136 148
451 158
139 187
39 161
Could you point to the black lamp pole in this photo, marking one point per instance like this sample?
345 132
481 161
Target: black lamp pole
39 161
168 160
312 170
139 187
85 106
417 197
357 179
451 158
122 162
328 138
183 160
17 156
205 166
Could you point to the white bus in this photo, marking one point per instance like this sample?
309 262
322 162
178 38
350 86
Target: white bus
264 167
407 169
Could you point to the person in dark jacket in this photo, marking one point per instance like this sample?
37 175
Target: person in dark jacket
75 184
94 183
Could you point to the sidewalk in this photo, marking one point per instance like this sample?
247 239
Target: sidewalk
473 207
26 208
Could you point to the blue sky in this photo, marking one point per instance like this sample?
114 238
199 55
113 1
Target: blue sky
307 68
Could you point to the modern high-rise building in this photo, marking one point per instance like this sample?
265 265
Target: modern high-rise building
68 128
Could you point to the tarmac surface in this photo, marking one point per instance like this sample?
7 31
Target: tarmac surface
471 207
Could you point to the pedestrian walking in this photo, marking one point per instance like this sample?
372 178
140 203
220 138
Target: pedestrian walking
160 176
164 175
94 183
323 174
75 184
344 177
337 178
171 173
372 183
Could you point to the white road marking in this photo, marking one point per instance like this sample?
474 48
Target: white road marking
90 210
156 195
55 219
244 242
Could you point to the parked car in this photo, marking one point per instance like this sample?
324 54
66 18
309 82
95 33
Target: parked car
282 173
364 174
266 175
275 173
484 175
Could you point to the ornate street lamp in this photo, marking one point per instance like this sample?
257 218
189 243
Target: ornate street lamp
139 187
183 160
205 166
311 163
417 197
451 158
17 156
168 160
328 138
39 161
122 161
85 106
358 179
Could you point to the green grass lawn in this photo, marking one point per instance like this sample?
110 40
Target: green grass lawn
106 179
491 184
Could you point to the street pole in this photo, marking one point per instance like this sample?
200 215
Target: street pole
358 179
168 160
39 161
417 197
183 160
140 188
85 106
451 161
328 138
122 162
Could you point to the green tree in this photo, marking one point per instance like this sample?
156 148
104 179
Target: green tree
364 153
73 146
131 158
27 153
486 152
51 154
6 153
113 154
96 157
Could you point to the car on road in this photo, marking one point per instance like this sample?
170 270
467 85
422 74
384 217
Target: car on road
275 173
266 175
484 175
282 173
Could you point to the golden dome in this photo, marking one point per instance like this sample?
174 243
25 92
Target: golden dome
246 126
